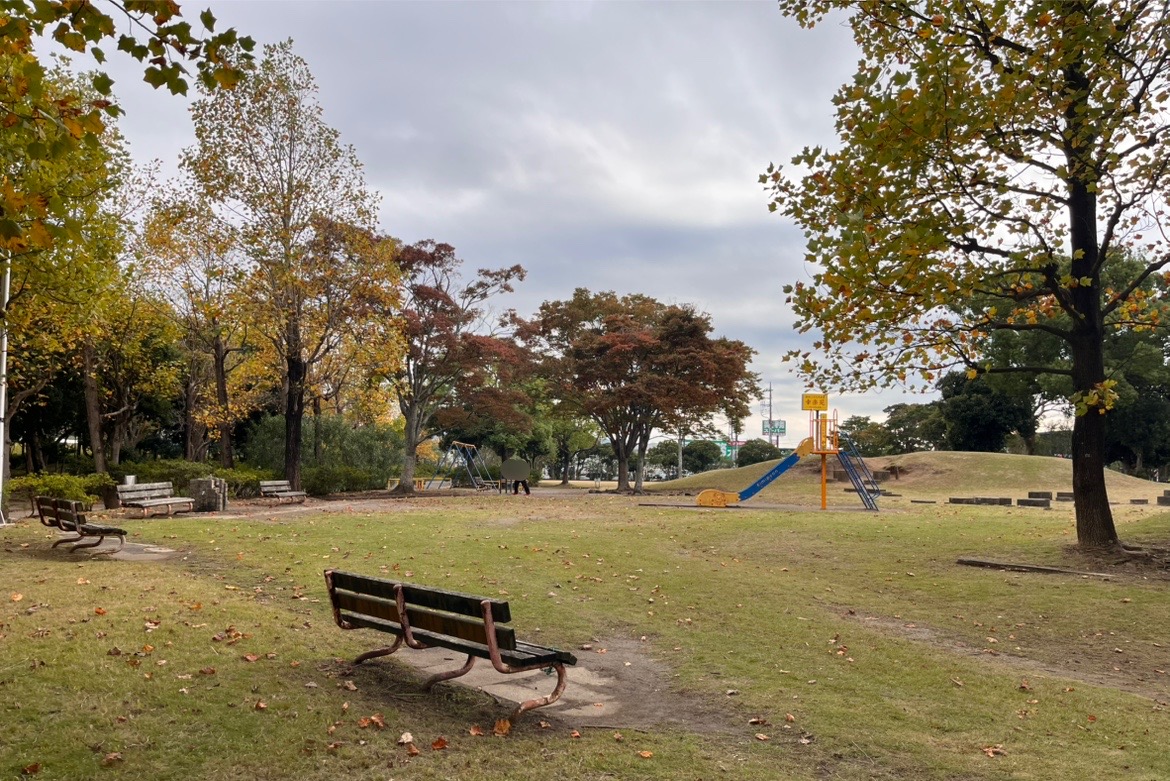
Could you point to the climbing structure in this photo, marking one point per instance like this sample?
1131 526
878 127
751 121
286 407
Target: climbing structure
829 441
460 459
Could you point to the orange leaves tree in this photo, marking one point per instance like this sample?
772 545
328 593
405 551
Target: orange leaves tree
633 364
270 165
995 161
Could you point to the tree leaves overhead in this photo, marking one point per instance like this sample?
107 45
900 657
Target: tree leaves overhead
995 160
38 124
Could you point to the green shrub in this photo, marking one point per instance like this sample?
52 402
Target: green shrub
325 480
374 450
56 486
244 482
175 471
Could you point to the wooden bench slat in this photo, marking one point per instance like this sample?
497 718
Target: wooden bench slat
434 598
526 654
469 629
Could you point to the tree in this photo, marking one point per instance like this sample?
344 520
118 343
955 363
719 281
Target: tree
757 451
572 435
999 151
869 438
979 417
268 162
701 456
633 364
42 128
439 323
193 260
664 455
915 427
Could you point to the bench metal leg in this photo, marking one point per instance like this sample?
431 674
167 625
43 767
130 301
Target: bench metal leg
101 537
540 702
68 539
379 651
464 670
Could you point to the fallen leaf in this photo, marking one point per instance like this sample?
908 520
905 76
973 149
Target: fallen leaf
378 720
1092 719
334 745
363 723
544 725
412 750
439 743
261 705
957 682
645 754
789 718
1025 686
994 751
405 738
762 736
16 597
349 686
83 581
619 737
31 770
207 671
475 731
111 758
503 728
574 734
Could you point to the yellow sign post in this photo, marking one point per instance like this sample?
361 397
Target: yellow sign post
817 402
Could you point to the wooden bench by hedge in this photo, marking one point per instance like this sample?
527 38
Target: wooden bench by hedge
69 516
149 497
281 491
423 617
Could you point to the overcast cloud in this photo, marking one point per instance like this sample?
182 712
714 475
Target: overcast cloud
607 145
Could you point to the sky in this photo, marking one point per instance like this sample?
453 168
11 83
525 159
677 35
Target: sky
606 145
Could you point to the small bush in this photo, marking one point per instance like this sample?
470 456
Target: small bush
244 482
56 486
325 480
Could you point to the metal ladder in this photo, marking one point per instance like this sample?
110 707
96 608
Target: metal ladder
859 474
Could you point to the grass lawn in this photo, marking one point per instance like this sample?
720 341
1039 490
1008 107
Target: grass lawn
868 652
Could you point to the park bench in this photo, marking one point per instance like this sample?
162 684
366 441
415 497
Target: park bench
281 491
68 516
149 497
425 617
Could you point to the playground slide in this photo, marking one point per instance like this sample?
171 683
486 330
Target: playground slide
713 497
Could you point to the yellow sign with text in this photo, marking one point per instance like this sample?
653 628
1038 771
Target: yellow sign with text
818 402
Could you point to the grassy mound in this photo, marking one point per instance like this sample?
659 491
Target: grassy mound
929 474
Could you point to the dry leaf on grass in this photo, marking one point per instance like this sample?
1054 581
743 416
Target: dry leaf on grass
99 611
619 737
261 705
645 754
412 750
250 657
439 743
16 597
31 770
994 751
762 736
503 728
574 734
112 758
405 738
475 731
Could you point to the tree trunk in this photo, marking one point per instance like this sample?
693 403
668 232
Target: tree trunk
294 413
623 470
227 454
317 430
412 435
190 425
93 408
643 446
565 460
1094 518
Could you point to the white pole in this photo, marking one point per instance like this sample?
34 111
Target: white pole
5 288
